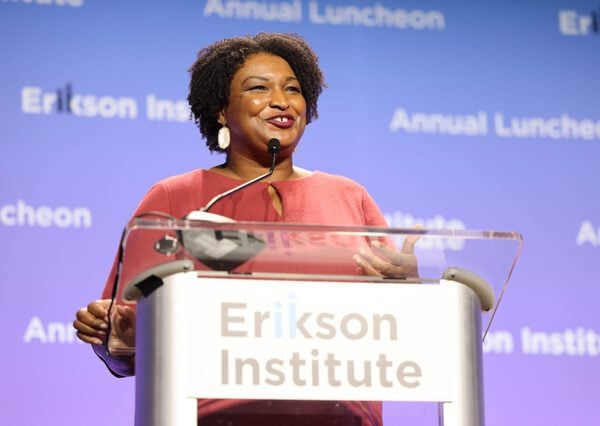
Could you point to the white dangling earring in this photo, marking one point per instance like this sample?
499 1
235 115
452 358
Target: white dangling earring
223 138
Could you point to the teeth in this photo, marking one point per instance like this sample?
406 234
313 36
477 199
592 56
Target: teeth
282 119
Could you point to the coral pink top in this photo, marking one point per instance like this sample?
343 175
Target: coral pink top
320 198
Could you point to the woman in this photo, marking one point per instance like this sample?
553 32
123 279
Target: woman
244 92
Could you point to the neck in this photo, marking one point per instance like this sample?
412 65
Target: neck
245 168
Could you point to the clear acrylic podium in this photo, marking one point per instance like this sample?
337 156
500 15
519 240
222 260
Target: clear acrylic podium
265 311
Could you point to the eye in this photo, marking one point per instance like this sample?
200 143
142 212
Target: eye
295 89
258 87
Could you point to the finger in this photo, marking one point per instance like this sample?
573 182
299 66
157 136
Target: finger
86 317
88 334
401 266
99 308
89 339
382 267
374 260
125 316
124 325
408 246
408 270
366 268
402 259
395 257
88 330
383 250
126 312
124 320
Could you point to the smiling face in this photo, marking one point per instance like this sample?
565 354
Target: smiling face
265 102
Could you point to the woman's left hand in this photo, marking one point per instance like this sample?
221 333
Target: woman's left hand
383 261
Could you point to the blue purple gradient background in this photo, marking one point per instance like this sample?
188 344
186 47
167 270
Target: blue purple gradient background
492 56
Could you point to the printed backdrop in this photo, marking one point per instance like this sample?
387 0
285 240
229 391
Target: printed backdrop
463 114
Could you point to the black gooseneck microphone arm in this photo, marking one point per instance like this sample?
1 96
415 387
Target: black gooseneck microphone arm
273 147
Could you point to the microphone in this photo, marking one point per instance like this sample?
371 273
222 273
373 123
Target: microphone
274 146
225 250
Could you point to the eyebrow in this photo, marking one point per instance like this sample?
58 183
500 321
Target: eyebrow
259 77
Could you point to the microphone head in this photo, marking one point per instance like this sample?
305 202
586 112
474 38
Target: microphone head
274 146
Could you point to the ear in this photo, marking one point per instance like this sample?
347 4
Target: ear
221 117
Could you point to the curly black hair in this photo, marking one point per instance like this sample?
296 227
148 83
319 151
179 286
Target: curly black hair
215 66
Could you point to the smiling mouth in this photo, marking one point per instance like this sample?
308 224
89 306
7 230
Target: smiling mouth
282 122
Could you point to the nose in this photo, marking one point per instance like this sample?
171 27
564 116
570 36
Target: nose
279 100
